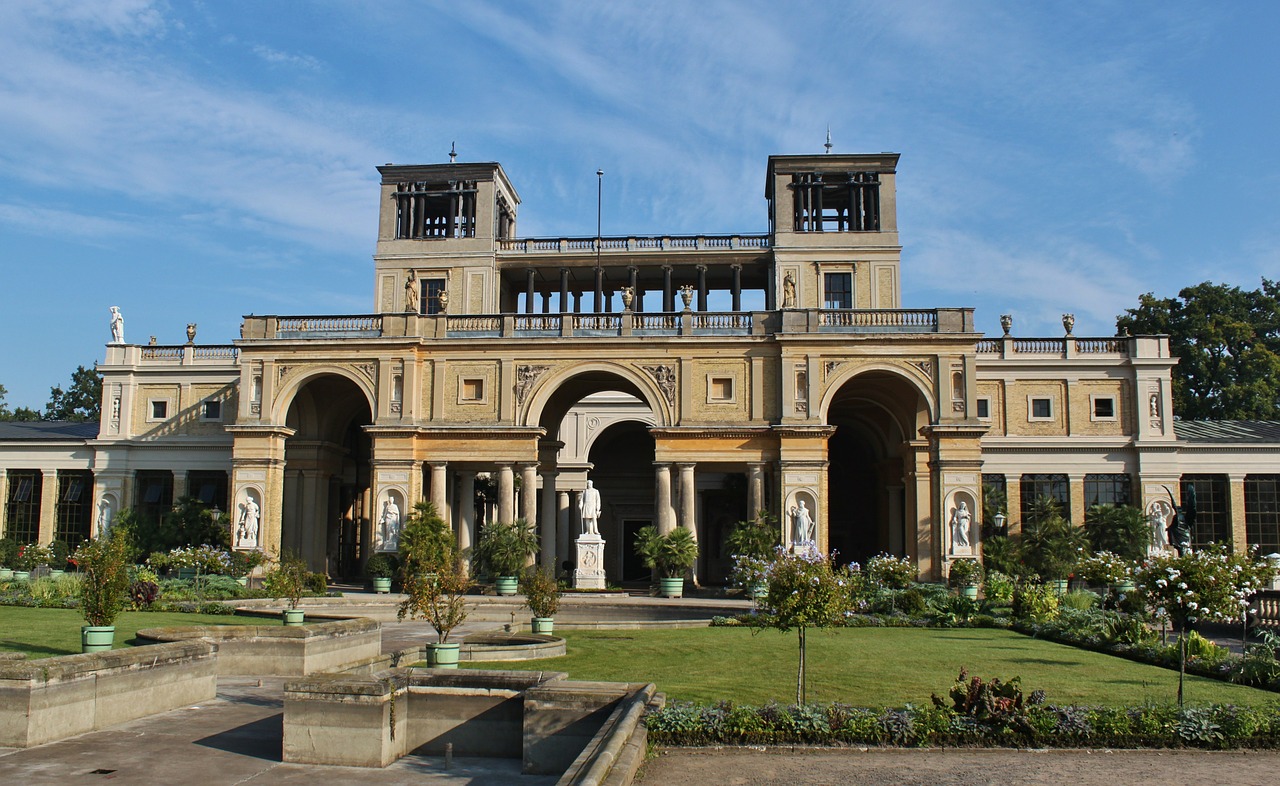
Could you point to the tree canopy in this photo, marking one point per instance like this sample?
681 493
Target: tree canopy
81 401
1228 343
21 413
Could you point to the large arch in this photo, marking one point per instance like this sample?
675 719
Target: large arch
877 413
555 394
284 397
326 510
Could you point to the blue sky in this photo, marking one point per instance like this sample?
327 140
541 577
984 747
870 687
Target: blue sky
194 162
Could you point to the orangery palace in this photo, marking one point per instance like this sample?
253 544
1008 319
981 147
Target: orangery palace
495 375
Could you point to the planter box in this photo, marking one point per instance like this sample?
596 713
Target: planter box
276 650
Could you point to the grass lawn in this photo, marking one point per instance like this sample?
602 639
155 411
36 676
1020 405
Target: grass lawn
42 633
868 666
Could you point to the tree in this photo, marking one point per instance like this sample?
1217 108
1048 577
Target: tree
21 413
1228 343
80 402
1119 529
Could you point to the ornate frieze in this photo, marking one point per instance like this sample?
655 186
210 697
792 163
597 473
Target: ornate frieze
665 377
526 376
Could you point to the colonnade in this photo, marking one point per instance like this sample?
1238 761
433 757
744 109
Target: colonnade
602 300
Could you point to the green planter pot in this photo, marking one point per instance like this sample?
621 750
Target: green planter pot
293 617
443 656
97 638
6 574
969 591
758 590
243 581
543 624
1122 587
381 585
507 585
53 574
187 573
672 588
1057 586
22 575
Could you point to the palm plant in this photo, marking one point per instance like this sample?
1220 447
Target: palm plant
1051 545
504 549
1120 529
669 555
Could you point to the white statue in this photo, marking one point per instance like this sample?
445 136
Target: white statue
589 505
247 533
104 517
1158 513
117 326
390 524
960 519
803 527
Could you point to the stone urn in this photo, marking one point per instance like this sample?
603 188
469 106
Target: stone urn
686 294
1006 323
191 332
1069 322
628 295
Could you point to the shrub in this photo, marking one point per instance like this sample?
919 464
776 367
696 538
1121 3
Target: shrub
104 569
1120 529
993 704
287 580
426 542
1034 601
31 556
1080 600
998 588
381 566
189 523
890 572
752 543
965 573
541 592
1000 555
143 593
8 553
1051 545
1104 568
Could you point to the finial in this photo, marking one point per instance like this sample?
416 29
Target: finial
828 144
453 152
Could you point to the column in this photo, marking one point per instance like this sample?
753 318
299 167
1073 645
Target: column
577 302
546 302
506 494
1013 496
48 507
737 287
547 524
755 488
668 291
439 497
529 296
663 512
563 534
529 493
466 510
1075 496
688 498
599 301
1235 513
564 290
702 287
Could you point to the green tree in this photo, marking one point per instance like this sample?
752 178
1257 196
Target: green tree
1228 344
21 413
81 401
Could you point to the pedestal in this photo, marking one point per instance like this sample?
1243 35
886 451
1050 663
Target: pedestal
590 566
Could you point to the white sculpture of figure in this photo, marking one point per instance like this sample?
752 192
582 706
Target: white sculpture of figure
803 527
104 517
390 524
117 326
960 519
1158 514
589 505
247 534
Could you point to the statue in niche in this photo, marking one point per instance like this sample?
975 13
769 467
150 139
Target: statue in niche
960 522
411 292
247 532
117 326
589 505
1158 514
390 524
104 517
803 528
789 290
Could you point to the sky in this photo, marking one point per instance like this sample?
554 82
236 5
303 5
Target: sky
200 161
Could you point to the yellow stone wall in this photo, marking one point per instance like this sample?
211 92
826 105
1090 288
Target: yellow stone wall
1082 407
457 410
1017 404
708 410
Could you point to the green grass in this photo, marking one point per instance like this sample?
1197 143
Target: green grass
868 666
43 633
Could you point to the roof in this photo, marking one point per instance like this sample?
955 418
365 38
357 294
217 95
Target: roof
1264 431
46 430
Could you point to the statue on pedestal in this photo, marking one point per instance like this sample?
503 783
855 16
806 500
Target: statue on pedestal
247 532
589 505
390 525
589 572
117 326
803 528
960 519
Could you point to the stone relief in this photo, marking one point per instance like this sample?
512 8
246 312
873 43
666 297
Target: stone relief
665 377
830 366
924 365
526 376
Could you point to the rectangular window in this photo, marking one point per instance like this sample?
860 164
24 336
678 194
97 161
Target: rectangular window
1108 490
75 513
720 389
22 517
1039 408
153 493
431 290
1262 512
1104 407
472 390
212 411
1213 522
838 290
1053 486
159 409
984 409
210 487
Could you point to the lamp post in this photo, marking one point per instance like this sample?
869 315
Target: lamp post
599 306
999 520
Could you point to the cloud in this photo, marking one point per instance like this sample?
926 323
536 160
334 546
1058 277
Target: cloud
61 223
276 57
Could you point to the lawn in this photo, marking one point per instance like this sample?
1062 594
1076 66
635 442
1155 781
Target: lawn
868 666
42 633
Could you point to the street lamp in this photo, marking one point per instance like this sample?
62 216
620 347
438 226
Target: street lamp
999 520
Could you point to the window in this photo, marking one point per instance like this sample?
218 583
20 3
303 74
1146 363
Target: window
431 291
471 390
1039 408
212 411
836 201
838 289
995 496
436 210
1052 486
159 409
1108 489
154 493
1262 512
210 487
23 514
1104 407
74 513
1213 522
720 389
984 408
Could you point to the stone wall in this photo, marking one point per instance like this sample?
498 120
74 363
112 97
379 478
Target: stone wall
285 651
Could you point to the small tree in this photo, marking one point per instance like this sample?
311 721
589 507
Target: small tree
287 580
804 592
439 597
541 592
426 542
1051 545
104 587
751 543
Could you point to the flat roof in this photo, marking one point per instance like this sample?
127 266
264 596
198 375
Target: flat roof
1254 431
47 430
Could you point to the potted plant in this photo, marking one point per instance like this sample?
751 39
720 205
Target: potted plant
59 551
30 556
243 563
542 596
1109 570
1051 545
380 568
966 576
104 586
288 581
503 550
440 598
752 543
8 556
426 542
668 555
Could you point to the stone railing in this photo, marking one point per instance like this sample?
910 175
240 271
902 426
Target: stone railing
329 326
895 320
173 354
1066 347
633 243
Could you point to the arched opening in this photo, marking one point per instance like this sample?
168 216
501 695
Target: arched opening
876 414
622 469
327 505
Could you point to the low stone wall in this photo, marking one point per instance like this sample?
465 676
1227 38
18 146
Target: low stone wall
54 698
276 650
370 721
